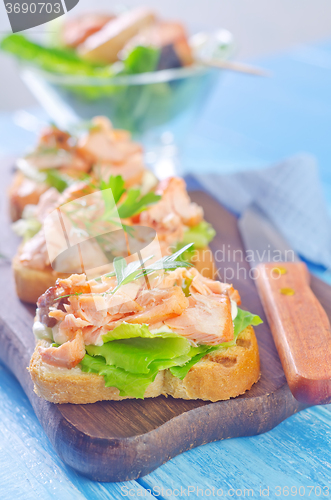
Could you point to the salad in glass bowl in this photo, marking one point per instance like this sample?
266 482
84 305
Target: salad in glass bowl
136 69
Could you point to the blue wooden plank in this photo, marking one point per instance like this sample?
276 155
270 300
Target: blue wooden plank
295 454
29 466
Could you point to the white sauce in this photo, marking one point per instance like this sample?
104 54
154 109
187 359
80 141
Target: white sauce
41 331
162 329
234 309
58 337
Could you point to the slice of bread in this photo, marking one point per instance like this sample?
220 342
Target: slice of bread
31 283
223 374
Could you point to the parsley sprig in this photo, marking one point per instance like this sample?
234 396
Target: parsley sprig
126 273
133 204
118 203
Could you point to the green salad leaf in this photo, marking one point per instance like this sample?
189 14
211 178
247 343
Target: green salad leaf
130 331
26 228
141 59
188 255
243 320
129 384
57 180
132 362
196 354
136 354
186 286
55 60
131 355
200 235
65 61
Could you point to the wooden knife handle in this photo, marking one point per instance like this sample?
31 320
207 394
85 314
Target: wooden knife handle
300 328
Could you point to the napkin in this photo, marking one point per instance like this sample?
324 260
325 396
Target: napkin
290 195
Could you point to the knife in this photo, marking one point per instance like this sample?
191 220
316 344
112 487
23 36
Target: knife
299 325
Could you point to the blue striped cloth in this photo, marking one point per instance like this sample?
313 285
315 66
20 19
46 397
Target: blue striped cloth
290 195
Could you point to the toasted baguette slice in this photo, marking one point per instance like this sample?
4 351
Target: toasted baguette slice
31 283
223 374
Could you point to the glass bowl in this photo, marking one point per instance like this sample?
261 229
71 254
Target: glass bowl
158 108
138 103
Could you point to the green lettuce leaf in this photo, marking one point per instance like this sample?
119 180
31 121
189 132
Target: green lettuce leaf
26 228
130 331
197 353
57 180
243 320
186 256
137 354
141 60
131 355
186 286
201 235
129 384
65 61
55 60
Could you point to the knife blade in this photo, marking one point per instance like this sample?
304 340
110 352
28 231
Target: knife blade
260 236
298 323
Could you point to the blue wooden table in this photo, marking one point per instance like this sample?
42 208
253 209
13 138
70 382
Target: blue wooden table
249 122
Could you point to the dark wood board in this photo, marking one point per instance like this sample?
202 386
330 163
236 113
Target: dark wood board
117 441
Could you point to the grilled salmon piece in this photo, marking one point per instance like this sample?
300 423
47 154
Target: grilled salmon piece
207 321
68 355
172 303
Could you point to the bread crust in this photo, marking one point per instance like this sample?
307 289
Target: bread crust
221 375
31 283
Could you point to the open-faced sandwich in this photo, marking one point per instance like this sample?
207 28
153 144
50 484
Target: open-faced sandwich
168 210
143 331
61 158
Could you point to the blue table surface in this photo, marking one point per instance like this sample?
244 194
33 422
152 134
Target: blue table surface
248 122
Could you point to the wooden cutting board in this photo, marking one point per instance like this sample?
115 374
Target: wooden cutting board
118 441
